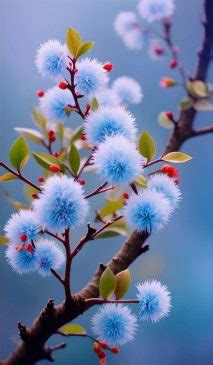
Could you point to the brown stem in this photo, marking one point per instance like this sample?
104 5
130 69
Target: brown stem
101 301
68 267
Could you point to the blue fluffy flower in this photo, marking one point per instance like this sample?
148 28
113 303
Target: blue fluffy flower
148 211
152 10
53 104
154 300
107 97
128 90
22 223
114 324
91 77
61 204
49 256
109 121
135 39
21 260
125 22
51 59
117 160
165 185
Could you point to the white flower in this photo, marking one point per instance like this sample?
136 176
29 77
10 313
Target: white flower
152 10
128 90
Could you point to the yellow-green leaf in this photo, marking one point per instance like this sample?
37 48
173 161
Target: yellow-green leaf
111 207
203 105
19 153
30 133
60 131
74 159
84 48
176 157
4 240
46 160
94 104
122 280
29 191
39 119
141 181
7 177
69 329
73 41
107 284
111 232
147 146
197 88
77 133
186 103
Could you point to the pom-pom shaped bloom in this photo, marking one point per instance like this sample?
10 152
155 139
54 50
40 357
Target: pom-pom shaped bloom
148 211
49 256
154 300
152 10
165 185
54 104
23 223
117 160
61 204
22 261
135 39
51 59
114 324
128 90
91 77
109 121
125 22
107 97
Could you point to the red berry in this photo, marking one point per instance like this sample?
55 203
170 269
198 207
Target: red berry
165 168
29 248
88 106
41 179
159 51
81 182
96 347
173 172
40 93
103 361
52 139
51 133
108 66
176 181
35 196
83 137
55 154
104 345
125 195
169 115
173 64
23 237
62 85
115 350
54 168
101 354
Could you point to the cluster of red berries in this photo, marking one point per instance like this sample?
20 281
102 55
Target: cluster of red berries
51 135
28 247
99 348
170 171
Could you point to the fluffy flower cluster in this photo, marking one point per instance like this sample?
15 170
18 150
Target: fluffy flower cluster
148 211
61 204
107 97
128 90
135 39
114 324
118 161
152 10
51 59
54 104
109 121
154 300
166 186
91 77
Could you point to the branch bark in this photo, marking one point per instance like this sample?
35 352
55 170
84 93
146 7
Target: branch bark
32 347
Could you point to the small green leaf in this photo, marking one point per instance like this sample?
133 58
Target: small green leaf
4 240
186 103
39 119
84 48
107 284
77 133
122 280
147 146
73 41
94 104
141 181
111 207
19 153
176 157
60 131
203 105
164 121
113 231
72 328
74 159
46 160
30 133
7 177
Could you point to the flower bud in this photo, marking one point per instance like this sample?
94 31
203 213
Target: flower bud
40 93
54 168
62 85
108 66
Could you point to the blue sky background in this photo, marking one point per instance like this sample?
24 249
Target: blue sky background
181 255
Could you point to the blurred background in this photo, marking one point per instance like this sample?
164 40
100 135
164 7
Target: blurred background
181 256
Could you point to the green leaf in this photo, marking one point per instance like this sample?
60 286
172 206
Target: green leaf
94 104
107 284
32 134
141 181
39 119
111 207
60 131
186 103
122 280
69 329
28 191
198 88
74 159
147 146
7 177
77 133
164 121
84 48
203 105
19 153
113 231
46 160
176 157
73 41
4 240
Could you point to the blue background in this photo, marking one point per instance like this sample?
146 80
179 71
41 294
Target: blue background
181 255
